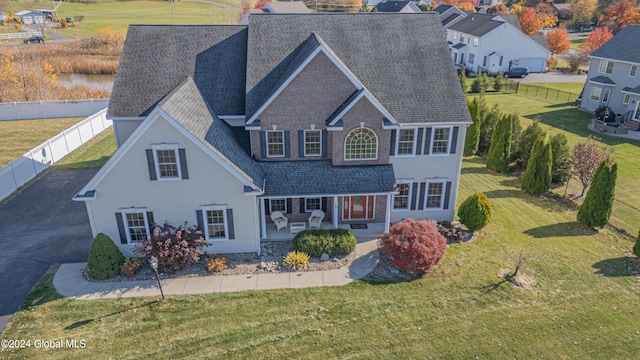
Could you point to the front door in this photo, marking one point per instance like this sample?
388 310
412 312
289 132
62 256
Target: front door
358 207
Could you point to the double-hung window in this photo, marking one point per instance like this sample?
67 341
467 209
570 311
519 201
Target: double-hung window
606 67
440 141
401 200
167 161
434 195
406 142
216 223
136 224
605 95
634 70
278 205
312 143
476 41
472 58
311 204
626 99
275 143
596 91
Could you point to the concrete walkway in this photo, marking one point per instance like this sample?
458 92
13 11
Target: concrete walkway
70 282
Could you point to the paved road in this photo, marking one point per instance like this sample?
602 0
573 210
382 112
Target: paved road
553 76
40 227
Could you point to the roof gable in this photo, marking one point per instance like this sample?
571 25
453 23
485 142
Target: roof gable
409 78
624 46
477 24
396 6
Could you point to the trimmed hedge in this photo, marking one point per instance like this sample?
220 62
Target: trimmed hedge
105 259
332 242
475 211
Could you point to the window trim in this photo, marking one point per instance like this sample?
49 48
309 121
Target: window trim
634 70
413 147
127 228
626 98
604 67
433 137
306 208
476 41
636 113
472 58
597 97
319 143
606 93
426 195
266 139
393 204
361 159
173 147
285 205
222 208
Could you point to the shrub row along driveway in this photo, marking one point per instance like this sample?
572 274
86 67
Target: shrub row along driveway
40 227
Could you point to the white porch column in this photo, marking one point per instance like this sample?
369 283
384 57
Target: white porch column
387 214
263 219
335 212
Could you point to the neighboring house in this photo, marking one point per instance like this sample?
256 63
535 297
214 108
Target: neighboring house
291 113
493 43
449 14
398 7
277 7
30 17
614 77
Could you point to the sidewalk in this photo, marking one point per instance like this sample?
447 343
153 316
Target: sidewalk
69 281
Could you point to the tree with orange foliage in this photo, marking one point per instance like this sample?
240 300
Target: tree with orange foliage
462 4
547 15
497 9
621 13
596 38
558 41
530 22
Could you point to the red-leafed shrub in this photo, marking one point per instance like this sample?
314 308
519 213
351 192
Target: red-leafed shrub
174 247
414 246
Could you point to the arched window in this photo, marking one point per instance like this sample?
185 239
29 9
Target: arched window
361 144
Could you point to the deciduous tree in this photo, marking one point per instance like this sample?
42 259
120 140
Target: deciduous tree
596 208
530 23
583 10
558 41
462 4
547 14
585 157
497 9
620 14
596 38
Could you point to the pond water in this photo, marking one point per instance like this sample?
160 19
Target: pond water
95 81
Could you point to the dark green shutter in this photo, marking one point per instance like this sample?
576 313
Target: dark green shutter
121 229
151 222
183 164
267 208
300 143
302 208
263 144
414 195
287 145
423 187
392 145
324 204
419 142
427 141
289 210
232 234
447 195
151 164
454 140
200 220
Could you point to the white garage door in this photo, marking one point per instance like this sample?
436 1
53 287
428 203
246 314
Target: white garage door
535 65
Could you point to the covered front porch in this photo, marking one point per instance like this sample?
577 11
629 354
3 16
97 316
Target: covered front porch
372 231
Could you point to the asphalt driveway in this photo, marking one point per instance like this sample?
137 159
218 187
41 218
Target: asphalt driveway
40 227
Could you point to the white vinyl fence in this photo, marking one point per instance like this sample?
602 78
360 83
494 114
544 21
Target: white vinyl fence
19 35
25 168
50 109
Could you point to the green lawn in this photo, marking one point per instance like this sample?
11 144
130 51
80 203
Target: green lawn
119 14
92 154
574 87
579 301
575 43
19 136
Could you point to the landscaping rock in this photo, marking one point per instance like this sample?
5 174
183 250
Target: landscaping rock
324 257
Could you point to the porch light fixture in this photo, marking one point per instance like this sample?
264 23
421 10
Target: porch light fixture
153 261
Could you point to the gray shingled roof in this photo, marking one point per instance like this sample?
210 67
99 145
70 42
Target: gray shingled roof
540 39
625 46
449 19
602 80
157 58
186 105
289 7
419 67
300 178
635 90
477 24
512 19
392 6
442 8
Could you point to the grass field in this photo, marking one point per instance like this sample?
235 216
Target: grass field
92 154
570 87
119 14
575 43
578 300
19 136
